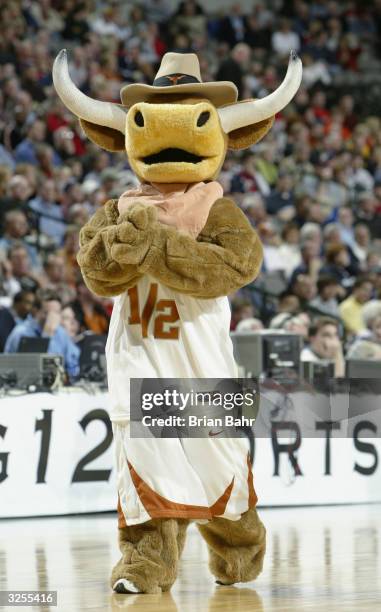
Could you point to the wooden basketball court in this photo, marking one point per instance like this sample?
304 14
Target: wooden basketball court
318 559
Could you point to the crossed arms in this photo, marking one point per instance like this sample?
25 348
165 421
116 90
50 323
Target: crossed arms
116 250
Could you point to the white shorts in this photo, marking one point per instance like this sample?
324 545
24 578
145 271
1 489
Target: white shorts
188 478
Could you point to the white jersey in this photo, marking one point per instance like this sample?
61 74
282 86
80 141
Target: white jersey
158 333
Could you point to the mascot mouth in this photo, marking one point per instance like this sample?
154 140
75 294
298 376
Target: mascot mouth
172 155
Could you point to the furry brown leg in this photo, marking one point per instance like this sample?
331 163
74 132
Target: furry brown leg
236 548
182 525
150 554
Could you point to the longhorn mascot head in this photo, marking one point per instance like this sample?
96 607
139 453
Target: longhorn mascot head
178 129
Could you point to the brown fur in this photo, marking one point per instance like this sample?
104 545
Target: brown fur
104 137
151 551
236 548
247 136
116 250
150 554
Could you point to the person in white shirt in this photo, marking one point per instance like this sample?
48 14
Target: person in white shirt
325 345
284 39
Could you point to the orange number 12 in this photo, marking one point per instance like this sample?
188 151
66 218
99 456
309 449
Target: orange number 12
166 307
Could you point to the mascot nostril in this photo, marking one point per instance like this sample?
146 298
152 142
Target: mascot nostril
139 119
170 251
203 118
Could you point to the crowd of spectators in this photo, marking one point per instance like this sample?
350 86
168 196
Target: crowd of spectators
311 188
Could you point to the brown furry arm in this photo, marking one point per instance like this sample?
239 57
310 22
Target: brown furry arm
112 246
226 256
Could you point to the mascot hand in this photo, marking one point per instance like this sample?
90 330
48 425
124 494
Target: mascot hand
134 233
140 215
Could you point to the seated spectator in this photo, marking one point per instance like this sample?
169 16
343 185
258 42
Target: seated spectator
296 324
361 243
232 27
256 35
254 208
311 262
325 345
50 215
241 309
108 24
246 179
93 307
368 345
70 322
323 187
47 159
288 302
289 250
69 254
9 285
265 162
21 308
281 201
312 232
45 322
331 234
249 325
55 277
318 213
304 287
76 23
338 264
54 268
345 225
22 269
328 290
360 179
16 196
366 212
16 228
314 71
25 152
272 259
6 159
351 308
189 18
284 39
157 10
234 66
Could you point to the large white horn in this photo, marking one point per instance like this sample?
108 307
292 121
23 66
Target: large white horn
239 115
100 113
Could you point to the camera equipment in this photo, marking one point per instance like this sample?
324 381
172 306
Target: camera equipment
270 353
92 360
39 369
364 377
8 379
318 372
33 345
363 368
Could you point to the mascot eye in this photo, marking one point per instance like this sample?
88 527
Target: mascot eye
139 119
203 118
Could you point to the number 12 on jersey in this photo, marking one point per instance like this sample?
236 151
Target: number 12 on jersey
163 312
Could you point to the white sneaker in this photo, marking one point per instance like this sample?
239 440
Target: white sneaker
125 586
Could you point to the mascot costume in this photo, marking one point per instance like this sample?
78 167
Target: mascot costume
170 251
